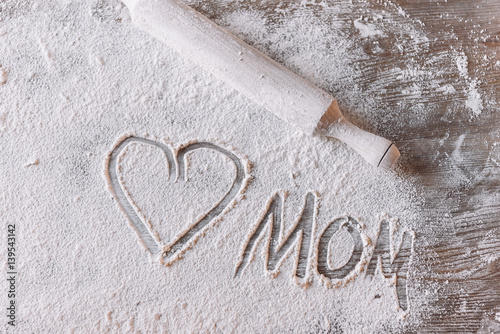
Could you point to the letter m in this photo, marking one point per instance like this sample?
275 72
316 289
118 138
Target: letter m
278 247
393 264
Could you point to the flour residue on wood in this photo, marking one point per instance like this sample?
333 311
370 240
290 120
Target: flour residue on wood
3 76
87 76
383 52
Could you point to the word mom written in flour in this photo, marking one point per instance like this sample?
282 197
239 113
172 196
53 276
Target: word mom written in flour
390 257
385 255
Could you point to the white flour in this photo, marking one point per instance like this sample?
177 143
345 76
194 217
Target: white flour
75 77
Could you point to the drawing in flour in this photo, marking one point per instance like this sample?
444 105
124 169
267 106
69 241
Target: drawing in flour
302 230
384 256
352 227
389 257
177 172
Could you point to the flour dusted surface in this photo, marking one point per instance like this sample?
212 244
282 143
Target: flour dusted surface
87 76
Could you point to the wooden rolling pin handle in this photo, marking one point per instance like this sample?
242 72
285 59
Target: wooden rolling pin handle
376 150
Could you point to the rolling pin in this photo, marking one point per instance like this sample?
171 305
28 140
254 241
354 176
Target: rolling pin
257 76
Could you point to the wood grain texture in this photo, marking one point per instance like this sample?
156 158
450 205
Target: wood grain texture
471 231
452 152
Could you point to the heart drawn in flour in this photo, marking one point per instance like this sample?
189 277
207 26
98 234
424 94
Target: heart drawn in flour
211 194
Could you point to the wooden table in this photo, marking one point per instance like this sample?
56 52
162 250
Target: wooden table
451 149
